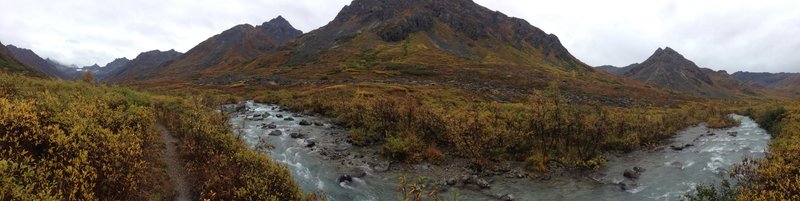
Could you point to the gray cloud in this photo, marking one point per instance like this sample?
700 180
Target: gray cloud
720 34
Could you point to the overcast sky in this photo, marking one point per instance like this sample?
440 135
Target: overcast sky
719 34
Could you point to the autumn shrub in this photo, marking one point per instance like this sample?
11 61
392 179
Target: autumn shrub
74 141
777 177
771 120
222 166
722 122
726 191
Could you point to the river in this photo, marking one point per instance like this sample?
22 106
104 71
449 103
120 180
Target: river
668 173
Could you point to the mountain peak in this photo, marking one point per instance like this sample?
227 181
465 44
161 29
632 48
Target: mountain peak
668 53
279 21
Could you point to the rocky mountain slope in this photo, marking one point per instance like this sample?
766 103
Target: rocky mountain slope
9 64
785 84
669 69
771 80
419 42
235 46
457 30
30 58
140 68
618 71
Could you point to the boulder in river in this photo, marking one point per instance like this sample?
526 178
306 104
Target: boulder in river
733 134
450 181
631 174
482 183
316 123
305 123
276 133
638 169
288 119
681 147
279 115
505 197
310 143
676 164
345 178
271 126
297 135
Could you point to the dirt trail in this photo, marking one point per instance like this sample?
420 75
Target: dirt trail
175 168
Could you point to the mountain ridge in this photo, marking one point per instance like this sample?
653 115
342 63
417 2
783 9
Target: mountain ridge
30 58
671 70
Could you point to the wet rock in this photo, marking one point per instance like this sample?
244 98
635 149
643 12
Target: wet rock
271 126
733 134
451 181
482 183
288 119
676 148
677 164
279 115
505 197
297 135
638 169
631 174
276 133
345 178
316 123
297 115
310 143
381 167
241 107
681 147
305 123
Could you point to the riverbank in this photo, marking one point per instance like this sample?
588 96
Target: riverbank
322 160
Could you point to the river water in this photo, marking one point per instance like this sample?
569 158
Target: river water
668 174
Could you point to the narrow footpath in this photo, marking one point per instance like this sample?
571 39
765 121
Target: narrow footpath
175 168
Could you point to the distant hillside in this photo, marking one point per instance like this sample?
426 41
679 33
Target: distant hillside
234 47
787 84
669 69
771 80
30 58
9 64
619 71
138 68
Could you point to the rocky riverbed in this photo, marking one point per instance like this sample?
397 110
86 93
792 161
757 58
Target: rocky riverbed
322 160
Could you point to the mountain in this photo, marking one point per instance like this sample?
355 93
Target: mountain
455 43
771 80
440 32
101 72
139 68
669 69
618 71
68 72
30 58
9 64
118 63
233 47
787 84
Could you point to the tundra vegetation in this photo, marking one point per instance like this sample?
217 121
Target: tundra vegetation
64 140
